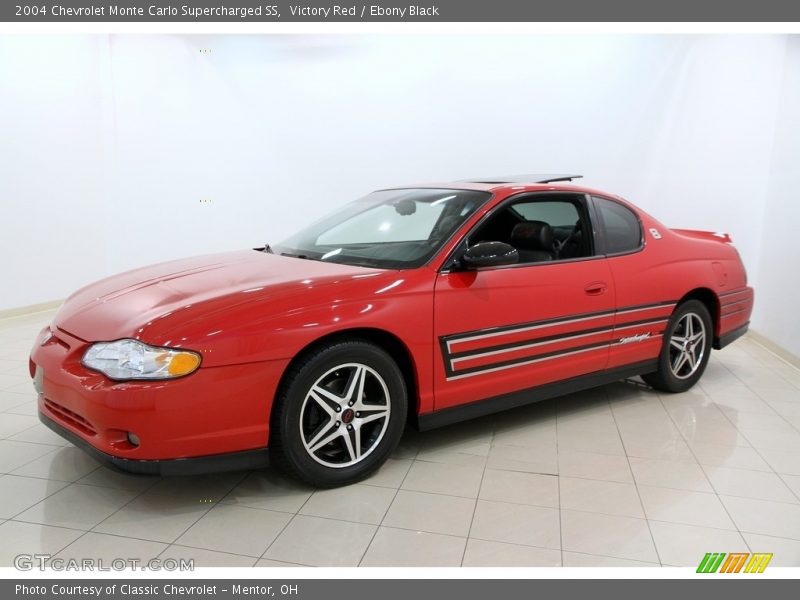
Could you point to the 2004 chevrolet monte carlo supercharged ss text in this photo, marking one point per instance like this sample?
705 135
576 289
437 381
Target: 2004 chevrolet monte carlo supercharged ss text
429 304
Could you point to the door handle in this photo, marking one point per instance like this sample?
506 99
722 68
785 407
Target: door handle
596 288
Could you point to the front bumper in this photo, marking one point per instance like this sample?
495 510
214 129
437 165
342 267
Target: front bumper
217 418
215 463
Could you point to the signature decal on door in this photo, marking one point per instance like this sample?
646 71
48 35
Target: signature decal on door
639 337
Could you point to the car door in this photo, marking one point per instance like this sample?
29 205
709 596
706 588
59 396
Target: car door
643 302
504 329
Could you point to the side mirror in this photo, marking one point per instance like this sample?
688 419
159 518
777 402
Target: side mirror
489 254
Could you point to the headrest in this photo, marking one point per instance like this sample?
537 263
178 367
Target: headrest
532 235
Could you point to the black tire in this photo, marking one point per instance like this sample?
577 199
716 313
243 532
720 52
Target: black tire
667 378
299 416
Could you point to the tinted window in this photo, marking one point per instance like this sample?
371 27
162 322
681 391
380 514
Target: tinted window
563 219
621 228
391 229
556 214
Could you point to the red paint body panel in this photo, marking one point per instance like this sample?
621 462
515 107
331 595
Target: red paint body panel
217 410
249 314
482 300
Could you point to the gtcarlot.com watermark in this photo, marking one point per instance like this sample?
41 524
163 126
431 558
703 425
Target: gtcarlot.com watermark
42 562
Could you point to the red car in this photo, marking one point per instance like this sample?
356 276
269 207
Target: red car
428 304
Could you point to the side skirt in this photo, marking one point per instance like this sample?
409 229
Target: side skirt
480 408
731 336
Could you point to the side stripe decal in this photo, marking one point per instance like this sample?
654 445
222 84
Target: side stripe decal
452 357
733 292
501 366
505 348
733 303
478 334
732 312
550 339
497 331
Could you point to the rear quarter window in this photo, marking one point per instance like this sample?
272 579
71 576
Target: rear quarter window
622 231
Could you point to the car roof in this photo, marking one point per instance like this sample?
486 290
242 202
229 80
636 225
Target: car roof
514 183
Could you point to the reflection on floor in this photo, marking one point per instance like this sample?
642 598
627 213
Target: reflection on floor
619 475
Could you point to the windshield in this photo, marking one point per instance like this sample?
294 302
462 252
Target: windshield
389 229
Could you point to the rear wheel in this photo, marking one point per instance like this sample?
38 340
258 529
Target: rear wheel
685 350
339 415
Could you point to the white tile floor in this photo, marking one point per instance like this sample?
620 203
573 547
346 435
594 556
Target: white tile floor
617 476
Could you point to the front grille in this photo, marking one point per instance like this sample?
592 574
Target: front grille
70 417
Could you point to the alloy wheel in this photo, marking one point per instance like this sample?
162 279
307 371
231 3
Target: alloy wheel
345 415
687 346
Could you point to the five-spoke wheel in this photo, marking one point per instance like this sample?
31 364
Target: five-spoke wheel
345 415
685 351
339 413
687 346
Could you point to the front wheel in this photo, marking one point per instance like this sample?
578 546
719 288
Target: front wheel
339 414
685 350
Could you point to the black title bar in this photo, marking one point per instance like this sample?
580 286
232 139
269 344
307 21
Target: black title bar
400 11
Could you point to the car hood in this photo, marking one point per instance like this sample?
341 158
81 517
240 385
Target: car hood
154 299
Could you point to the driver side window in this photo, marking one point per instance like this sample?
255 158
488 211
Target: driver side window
540 229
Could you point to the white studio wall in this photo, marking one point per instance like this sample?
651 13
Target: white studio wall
124 150
778 272
52 166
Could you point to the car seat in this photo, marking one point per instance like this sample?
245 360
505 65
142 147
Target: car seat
533 240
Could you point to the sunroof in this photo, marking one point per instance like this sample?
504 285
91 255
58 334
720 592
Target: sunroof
538 178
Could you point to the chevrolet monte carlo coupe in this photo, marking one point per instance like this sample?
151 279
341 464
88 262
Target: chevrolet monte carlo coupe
423 305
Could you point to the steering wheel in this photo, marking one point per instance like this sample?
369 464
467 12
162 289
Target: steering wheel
559 246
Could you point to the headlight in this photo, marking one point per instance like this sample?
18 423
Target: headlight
131 359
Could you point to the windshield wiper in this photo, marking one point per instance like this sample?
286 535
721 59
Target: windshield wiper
290 255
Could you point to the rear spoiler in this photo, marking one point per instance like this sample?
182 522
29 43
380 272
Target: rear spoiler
705 235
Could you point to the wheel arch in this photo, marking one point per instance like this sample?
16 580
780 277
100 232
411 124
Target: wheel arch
711 301
385 340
